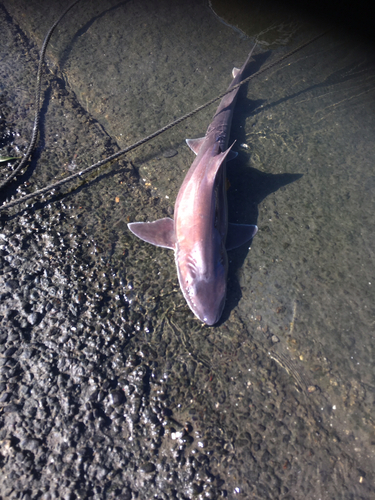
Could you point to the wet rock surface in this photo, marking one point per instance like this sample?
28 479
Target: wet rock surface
108 387
87 407
98 402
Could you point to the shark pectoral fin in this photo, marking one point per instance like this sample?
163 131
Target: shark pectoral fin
238 234
160 232
195 144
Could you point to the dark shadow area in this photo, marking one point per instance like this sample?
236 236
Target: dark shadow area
248 188
343 75
354 18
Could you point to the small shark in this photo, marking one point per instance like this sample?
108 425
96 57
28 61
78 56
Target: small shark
200 234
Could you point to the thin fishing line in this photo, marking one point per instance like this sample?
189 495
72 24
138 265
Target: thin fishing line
34 135
113 157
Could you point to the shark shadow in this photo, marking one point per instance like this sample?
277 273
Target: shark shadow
248 188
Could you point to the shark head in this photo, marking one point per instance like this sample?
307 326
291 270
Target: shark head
204 286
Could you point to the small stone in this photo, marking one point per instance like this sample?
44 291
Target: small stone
116 398
9 352
147 467
202 443
30 444
11 408
11 285
33 318
169 153
5 397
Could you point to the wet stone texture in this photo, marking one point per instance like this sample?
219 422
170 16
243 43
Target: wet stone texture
109 388
97 401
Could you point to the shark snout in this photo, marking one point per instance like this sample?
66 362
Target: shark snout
208 302
212 315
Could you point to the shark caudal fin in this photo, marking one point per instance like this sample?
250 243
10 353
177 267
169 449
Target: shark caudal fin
160 232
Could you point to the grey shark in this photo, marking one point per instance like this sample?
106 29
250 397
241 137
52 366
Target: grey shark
200 234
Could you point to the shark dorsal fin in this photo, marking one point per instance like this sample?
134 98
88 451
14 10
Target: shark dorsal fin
216 162
195 144
160 232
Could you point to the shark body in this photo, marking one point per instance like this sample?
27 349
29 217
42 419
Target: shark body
200 234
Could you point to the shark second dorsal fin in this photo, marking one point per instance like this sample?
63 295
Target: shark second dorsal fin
235 72
160 232
238 234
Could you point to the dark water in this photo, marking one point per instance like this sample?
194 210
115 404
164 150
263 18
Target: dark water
278 398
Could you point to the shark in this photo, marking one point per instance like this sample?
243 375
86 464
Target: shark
200 234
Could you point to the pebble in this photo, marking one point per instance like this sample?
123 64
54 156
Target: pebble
11 285
169 153
148 467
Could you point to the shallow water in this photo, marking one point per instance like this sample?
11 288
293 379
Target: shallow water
279 395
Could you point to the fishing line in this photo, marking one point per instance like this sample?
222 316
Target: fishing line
34 134
113 157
